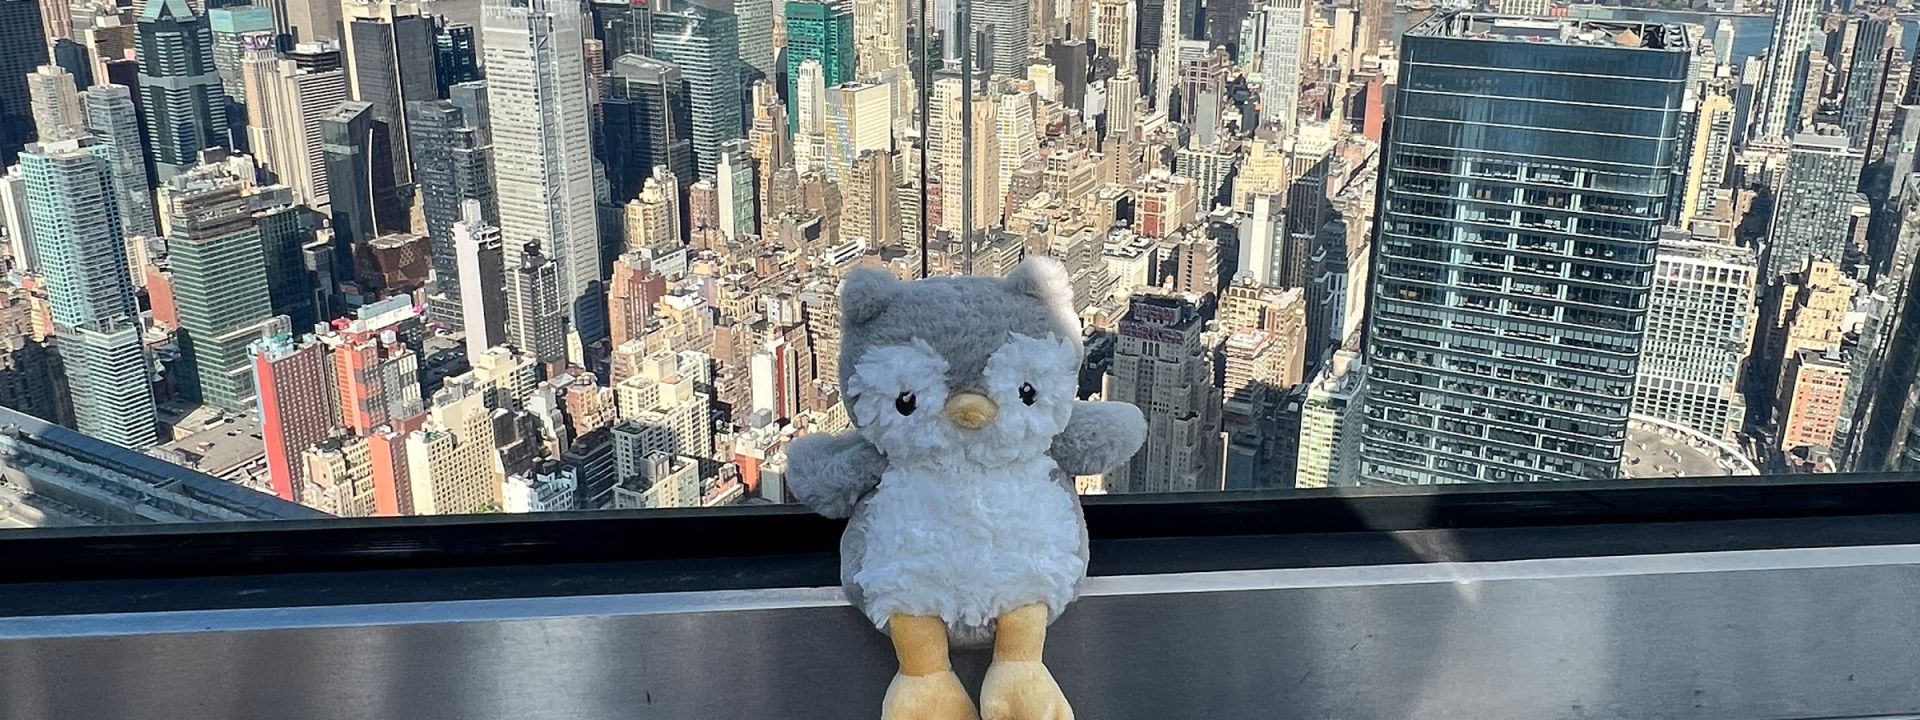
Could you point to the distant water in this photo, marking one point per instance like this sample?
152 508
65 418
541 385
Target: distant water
1751 33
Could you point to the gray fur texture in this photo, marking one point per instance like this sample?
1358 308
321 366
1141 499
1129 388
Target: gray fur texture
1101 436
964 319
828 473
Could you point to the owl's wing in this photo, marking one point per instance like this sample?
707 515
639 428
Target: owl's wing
829 473
1099 437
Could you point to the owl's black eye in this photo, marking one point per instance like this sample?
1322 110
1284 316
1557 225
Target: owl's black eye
904 403
1026 393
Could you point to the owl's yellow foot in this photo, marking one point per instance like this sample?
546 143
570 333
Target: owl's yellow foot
1022 690
938 696
1018 687
925 688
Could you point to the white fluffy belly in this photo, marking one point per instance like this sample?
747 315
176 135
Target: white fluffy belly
968 545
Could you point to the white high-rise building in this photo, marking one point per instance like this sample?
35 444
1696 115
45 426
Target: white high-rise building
1019 143
1113 30
1283 41
1700 324
1783 87
952 156
860 119
55 102
1330 420
543 144
477 255
809 117
1261 235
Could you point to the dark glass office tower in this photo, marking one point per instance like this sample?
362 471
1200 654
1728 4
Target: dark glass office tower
647 124
456 58
22 48
348 134
1525 178
623 26
186 110
454 154
390 62
703 41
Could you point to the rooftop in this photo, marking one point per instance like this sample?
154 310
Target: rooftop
216 442
1659 449
1626 35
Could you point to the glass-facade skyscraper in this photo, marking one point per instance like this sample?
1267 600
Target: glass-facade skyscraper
704 43
220 285
83 255
817 31
647 122
454 155
1525 179
179 86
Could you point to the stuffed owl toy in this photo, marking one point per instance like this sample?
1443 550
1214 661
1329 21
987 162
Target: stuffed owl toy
964 525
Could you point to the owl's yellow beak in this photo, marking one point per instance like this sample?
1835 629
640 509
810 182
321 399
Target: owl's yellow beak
971 411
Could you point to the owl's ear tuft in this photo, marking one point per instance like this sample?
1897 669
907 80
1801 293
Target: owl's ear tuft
865 294
1043 278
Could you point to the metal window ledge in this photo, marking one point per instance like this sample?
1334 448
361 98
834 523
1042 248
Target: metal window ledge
1813 616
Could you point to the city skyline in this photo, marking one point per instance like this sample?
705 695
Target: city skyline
385 257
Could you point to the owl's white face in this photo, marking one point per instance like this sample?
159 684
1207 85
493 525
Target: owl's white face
900 398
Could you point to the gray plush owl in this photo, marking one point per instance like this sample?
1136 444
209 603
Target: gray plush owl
964 527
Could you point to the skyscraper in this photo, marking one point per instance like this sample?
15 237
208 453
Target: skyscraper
286 104
111 115
1783 88
1874 41
453 151
296 399
951 156
56 102
1700 327
1263 240
733 183
219 284
73 56
348 136
455 57
1113 26
821 32
704 43
480 264
1713 137
179 86
390 50
234 30
1330 424
625 27
533 300
872 213
96 322
1814 214
1004 24
543 149
1507 314
647 124
755 30
1160 365
22 48
1284 41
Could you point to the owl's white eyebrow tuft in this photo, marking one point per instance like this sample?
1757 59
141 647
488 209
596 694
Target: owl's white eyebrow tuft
890 369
